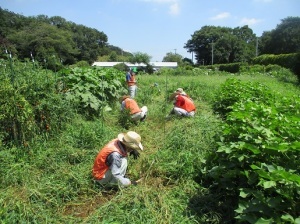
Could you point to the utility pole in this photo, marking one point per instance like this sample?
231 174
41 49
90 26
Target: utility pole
256 52
212 52
175 50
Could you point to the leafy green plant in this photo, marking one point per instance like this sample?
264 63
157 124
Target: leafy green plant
186 177
256 162
125 120
31 104
91 90
283 74
234 90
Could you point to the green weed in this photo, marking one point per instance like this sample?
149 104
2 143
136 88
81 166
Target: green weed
182 166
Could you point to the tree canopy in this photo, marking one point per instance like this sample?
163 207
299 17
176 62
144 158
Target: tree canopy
139 57
171 57
44 41
43 37
50 39
219 45
285 38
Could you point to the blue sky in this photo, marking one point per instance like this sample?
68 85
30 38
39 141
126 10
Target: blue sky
157 27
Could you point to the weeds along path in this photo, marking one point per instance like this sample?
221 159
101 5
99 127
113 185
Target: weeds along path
156 194
154 199
55 177
159 136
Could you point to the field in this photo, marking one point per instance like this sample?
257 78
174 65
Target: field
50 180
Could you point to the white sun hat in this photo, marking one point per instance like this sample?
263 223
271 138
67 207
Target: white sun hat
131 139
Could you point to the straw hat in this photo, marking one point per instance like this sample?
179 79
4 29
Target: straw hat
122 98
180 91
131 139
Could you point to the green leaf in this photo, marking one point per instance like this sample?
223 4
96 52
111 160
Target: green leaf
241 208
255 167
295 145
287 218
252 148
264 221
243 194
269 184
107 108
297 220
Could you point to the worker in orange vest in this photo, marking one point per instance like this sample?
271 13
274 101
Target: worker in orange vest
111 162
131 82
135 111
183 104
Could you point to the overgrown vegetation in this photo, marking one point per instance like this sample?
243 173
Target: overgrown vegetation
92 90
235 161
256 164
31 102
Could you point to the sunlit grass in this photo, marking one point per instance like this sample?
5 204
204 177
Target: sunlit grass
52 183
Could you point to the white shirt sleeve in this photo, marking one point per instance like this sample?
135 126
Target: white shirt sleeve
114 161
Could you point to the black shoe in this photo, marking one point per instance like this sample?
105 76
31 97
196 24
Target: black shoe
143 118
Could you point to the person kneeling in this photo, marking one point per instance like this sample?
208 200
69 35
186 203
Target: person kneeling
136 113
183 104
110 164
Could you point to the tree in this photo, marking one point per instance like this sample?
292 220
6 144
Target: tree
282 40
11 22
59 22
57 37
113 56
188 61
90 42
213 44
139 57
45 42
171 57
265 46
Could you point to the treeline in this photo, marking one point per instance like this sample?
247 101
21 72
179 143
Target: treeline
221 45
52 41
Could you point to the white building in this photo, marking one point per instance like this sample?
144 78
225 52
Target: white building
155 65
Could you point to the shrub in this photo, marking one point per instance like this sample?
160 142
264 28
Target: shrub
233 90
232 68
252 69
121 67
31 103
289 61
92 90
80 64
256 164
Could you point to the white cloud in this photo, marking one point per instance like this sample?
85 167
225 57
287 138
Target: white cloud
222 15
174 9
248 21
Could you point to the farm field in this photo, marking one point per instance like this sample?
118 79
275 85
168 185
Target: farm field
50 181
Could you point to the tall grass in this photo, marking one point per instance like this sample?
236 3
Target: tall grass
51 182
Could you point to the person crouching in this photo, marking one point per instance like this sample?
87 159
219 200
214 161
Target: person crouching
136 113
183 104
110 164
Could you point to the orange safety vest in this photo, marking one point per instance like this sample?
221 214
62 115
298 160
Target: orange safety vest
100 167
132 106
185 103
131 82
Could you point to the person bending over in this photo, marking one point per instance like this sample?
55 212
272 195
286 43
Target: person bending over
111 164
136 113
